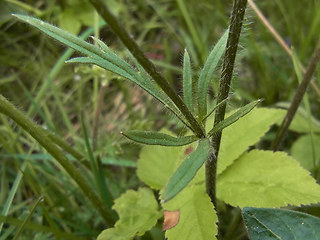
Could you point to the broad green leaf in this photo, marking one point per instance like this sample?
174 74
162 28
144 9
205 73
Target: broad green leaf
138 212
234 117
157 163
157 138
300 122
187 170
269 224
304 148
104 58
187 81
197 216
207 72
248 130
267 179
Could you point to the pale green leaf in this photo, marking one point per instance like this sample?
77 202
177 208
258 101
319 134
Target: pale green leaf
248 130
138 213
269 224
187 170
305 149
157 138
187 81
207 72
267 179
157 163
197 216
234 117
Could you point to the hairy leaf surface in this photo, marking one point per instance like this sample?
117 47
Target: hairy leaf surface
267 179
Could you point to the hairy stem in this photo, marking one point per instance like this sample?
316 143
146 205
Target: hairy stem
296 100
106 14
237 16
41 136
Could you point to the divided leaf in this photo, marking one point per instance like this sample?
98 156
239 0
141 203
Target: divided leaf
269 224
267 179
197 216
237 138
234 117
156 138
138 212
187 170
207 72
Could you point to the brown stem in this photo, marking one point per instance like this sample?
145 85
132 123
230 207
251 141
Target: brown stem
296 100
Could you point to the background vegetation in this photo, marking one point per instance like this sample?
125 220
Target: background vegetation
34 77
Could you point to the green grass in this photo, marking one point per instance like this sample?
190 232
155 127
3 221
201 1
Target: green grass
57 96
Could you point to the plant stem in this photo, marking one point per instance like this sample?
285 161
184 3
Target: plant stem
41 136
106 14
297 99
237 16
96 117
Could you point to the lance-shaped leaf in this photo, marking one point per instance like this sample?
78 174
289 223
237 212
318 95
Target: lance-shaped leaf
187 170
207 72
156 138
268 224
234 117
102 56
187 81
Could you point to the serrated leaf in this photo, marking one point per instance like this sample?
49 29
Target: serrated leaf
248 130
234 117
157 138
187 170
302 150
197 216
207 72
104 59
163 159
269 224
138 212
267 179
187 81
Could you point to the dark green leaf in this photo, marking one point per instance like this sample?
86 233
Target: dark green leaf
187 170
156 138
269 224
234 117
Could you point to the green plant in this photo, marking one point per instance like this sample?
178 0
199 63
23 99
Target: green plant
184 189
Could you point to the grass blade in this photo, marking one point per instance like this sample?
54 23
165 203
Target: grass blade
187 81
206 74
234 117
187 170
156 138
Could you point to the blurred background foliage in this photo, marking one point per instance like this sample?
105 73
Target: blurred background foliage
55 94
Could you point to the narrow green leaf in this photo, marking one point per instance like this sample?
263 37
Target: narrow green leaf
138 212
156 138
215 107
267 179
197 216
269 224
187 170
187 81
207 72
104 58
234 117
